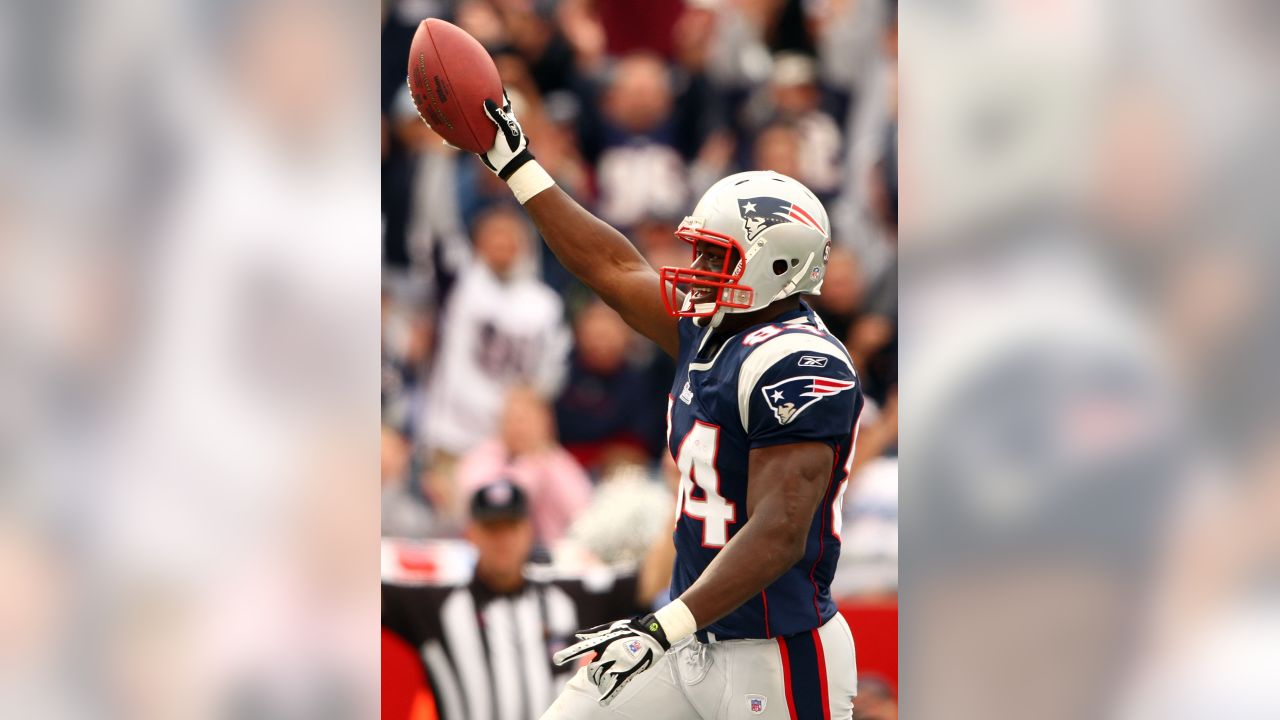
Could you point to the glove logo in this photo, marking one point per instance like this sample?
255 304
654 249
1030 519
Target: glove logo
510 120
621 649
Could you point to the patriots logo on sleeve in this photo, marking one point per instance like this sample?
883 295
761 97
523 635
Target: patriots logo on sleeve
792 396
759 213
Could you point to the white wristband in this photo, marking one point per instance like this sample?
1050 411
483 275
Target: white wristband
528 181
676 621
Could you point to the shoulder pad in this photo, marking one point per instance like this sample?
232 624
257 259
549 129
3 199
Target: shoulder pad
769 345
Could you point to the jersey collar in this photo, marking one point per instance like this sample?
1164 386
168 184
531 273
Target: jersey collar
791 317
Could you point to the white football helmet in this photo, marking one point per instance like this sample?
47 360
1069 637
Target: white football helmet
776 239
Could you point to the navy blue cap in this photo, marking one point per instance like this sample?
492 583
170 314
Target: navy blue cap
500 499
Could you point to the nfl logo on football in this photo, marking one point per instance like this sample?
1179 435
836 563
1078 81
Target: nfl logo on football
756 704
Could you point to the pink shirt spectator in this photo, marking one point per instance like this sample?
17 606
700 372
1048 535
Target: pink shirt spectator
559 490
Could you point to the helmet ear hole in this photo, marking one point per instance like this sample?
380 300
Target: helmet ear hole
779 267
795 262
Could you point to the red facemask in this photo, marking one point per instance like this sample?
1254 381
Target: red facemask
723 284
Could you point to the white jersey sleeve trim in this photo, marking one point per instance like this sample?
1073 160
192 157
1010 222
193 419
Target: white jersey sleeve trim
770 353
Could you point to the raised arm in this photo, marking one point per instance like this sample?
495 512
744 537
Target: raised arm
594 252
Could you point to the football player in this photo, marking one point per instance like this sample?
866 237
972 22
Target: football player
761 423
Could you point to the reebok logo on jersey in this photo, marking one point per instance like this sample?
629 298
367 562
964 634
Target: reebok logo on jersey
791 397
812 361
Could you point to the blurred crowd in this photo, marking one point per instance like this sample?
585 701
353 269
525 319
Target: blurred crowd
498 363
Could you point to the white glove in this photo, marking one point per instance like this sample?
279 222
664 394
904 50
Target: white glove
623 648
510 149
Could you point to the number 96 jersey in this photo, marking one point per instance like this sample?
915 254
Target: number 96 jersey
787 381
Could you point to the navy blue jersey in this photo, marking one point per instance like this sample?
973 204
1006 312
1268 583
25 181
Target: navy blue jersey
786 381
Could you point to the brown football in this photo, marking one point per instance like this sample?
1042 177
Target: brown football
450 77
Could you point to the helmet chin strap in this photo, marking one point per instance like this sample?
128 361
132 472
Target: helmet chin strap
706 320
794 280
712 321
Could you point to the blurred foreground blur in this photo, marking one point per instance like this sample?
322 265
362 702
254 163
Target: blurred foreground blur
188 359
1090 493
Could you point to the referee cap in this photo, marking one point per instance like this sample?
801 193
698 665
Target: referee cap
501 499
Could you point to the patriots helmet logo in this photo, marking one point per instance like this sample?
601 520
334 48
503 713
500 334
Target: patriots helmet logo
760 213
792 396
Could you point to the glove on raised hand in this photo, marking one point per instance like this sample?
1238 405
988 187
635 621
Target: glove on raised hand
510 149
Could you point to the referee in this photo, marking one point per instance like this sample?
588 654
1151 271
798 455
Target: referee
486 646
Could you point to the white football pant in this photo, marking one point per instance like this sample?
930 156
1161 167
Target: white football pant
810 676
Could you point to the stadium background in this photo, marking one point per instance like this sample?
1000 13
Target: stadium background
635 109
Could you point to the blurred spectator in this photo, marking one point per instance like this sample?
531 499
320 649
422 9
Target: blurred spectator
702 105
793 97
634 143
405 513
748 32
397 169
526 451
655 237
882 182
875 700
506 604
482 21
777 148
407 337
873 345
692 36
842 293
850 38
584 33
865 217
436 244
611 404
500 328
538 42
629 512
869 538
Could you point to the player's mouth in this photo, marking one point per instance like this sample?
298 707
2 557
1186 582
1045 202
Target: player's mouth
702 294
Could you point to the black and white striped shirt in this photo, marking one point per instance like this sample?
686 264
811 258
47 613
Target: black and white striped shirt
487 656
